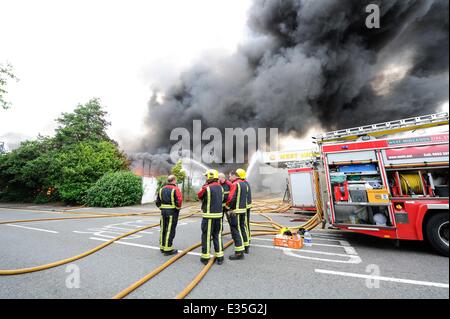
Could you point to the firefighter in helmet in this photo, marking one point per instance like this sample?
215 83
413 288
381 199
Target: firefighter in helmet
242 174
237 206
211 196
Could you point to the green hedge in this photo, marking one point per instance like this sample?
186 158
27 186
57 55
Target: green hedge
115 190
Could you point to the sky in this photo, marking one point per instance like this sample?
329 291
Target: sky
66 52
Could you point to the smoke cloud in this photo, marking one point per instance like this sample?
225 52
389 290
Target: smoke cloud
314 63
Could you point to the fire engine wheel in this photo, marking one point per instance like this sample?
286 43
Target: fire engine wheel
437 232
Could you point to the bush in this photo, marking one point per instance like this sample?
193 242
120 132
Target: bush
115 190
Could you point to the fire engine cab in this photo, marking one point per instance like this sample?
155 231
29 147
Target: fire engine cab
378 180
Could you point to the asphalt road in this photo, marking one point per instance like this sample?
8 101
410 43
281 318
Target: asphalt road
339 265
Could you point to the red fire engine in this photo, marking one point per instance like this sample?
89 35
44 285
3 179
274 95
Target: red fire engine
389 187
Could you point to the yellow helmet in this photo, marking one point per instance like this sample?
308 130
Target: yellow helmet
241 173
212 174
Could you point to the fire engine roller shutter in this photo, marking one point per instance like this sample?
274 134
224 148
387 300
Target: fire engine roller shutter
351 157
302 188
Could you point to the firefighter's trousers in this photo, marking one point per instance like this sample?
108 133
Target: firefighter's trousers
247 221
239 230
168 225
212 230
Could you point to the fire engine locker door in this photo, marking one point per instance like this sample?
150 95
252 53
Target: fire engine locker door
302 188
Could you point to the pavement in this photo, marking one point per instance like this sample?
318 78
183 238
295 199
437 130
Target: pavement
339 264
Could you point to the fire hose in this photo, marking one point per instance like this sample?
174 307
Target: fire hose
260 209
77 257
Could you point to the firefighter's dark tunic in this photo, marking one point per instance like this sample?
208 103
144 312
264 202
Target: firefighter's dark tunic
211 196
169 200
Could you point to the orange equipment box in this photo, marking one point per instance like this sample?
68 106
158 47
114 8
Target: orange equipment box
378 195
288 242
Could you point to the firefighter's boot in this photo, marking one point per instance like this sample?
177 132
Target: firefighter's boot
204 261
170 253
247 250
237 256
219 260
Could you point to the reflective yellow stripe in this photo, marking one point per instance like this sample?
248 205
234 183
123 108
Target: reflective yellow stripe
240 232
239 211
215 215
172 197
220 253
208 238
238 199
247 243
166 246
167 206
246 199
238 249
161 227
208 203
247 219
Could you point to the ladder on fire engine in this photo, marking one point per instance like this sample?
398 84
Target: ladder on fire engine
385 128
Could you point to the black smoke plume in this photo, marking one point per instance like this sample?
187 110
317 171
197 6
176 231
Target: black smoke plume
315 63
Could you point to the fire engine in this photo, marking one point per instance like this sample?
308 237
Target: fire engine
380 181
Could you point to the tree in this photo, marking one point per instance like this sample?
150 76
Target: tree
6 73
179 172
86 123
24 171
65 166
75 168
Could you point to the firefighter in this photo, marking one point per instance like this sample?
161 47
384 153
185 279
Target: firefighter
237 206
226 185
242 174
211 196
170 201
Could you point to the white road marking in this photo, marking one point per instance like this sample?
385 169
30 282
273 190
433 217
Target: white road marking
391 279
127 229
352 259
32 228
343 244
326 236
106 233
140 245
348 248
